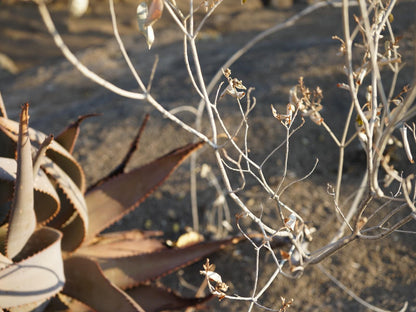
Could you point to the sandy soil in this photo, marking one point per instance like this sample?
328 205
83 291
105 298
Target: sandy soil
380 272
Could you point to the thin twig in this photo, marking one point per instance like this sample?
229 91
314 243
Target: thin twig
106 84
152 74
47 20
342 146
120 43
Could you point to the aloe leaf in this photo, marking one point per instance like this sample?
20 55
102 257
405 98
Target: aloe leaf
55 152
22 220
8 146
121 244
38 272
131 271
3 111
4 261
63 303
38 306
113 199
41 153
7 179
46 200
72 219
3 236
73 232
68 137
122 166
86 283
68 164
155 299
4 206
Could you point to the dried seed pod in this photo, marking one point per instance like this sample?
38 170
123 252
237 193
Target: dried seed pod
142 20
406 146
78 7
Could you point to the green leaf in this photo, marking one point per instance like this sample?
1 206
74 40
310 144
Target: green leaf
38 272
111 200
22 220
86 283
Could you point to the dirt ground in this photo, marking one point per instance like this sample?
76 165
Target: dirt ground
381 272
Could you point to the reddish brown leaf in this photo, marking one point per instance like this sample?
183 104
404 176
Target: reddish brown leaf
46 200
122 166
114 198
155 12
22 220
68 137
155 299
130 234
41 153
8 146
68 164
85 282
55 151
131 271
284 255
63 303
7 179
121 249
39 276
72 219
121 244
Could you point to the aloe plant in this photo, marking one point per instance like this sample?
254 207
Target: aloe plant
52 255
